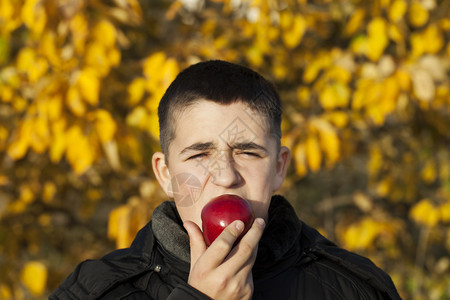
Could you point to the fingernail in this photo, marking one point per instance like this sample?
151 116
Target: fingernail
185 227
261 222
239 225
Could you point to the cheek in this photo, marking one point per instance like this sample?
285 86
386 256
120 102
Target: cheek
186 184
260 183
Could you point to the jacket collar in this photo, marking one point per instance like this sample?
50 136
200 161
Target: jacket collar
280 240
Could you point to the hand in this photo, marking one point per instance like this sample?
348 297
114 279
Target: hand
222 271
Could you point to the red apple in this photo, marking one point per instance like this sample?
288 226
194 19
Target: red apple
222 211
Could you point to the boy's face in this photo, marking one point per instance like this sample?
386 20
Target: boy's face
220 149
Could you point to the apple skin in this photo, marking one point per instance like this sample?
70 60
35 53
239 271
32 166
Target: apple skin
222 211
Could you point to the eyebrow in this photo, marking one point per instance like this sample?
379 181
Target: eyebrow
248 146
210 145
198 147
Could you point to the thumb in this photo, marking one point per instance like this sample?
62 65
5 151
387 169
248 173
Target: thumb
196 241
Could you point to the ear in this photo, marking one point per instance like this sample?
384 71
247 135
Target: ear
284 156
162 173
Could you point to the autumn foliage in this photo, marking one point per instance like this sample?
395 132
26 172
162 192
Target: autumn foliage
366 96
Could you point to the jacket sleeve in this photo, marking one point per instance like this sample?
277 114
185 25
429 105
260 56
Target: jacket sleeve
186 292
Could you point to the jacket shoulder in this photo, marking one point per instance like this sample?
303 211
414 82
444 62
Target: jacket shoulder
358 269
92 278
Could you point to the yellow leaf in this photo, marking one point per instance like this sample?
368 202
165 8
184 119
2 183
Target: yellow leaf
311 71
54 107
105 33
429 173
254 55
6 93
112 154
397 10
28 62
26 194
105 125
433 38
79 151
25 59
425 213
359 96
423 85
173 10
168 73
337 118
58 144
363 201
74 102
417 44
375 161
363 234
328 138
40 136
313 153
395 33
403 80
300 159
384 187
48 191
48 47
339 74
286 19
113 57
38 69
4 133
359 44
45 220
303 95
377 38
118 226
417 15
97 58
5 291
355 22
334 95
34 16
138 117
153 125
294 28
444 24
89 85
153 64
18 148
444 211
330 145
34 277
80 29
6 10
386 101
136 91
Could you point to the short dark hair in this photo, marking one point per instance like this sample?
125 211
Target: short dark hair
223 83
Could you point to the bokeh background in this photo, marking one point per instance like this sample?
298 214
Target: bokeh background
365 86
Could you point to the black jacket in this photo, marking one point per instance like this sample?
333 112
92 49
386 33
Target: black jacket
294 262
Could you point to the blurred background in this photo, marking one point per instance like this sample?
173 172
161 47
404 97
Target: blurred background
365 89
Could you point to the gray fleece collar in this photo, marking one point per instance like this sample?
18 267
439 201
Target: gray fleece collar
280 236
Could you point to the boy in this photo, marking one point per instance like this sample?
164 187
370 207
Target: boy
220 134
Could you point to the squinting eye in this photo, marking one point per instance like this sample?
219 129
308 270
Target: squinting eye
196 156
251 154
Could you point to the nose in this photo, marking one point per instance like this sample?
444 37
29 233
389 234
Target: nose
224 172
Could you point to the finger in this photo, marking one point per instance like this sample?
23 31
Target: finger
244 254
196 241
223 244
